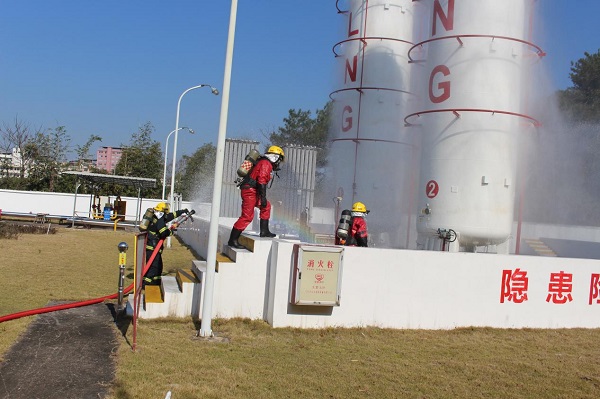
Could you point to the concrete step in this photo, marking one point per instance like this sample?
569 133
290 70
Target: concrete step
251 242
180 297
540 247
153 294
186 276
232 253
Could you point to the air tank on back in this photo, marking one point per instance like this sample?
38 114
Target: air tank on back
473 111
371 152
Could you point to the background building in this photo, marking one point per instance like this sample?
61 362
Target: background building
108 157
10 164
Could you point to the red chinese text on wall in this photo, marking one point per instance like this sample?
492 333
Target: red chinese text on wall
594 289
515 285
560 288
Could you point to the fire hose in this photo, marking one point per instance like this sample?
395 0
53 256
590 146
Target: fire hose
94 301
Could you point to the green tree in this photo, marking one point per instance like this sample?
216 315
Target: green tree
582 101
48 152
195 182
84 150
141 158
300 128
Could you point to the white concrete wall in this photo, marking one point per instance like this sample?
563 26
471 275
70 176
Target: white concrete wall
195 234
62 203
401 288
241 287
436 290
43 202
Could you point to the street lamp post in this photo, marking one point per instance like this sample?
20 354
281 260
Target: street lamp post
166 149
213 235
215 92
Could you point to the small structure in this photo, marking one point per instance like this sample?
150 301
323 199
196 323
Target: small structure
98 178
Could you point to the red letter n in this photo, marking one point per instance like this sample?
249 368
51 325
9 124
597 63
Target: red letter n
446 19
351 70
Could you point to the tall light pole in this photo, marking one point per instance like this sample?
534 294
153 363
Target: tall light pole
215 209
166 149
215 92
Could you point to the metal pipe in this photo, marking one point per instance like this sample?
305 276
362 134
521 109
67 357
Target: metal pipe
77 184
122 260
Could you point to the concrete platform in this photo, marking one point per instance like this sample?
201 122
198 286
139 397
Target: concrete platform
179 297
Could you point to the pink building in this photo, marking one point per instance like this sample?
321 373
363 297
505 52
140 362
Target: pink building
108 157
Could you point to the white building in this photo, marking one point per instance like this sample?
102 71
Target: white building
11 164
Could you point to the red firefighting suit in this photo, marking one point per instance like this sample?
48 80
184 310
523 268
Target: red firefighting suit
259 175
357 236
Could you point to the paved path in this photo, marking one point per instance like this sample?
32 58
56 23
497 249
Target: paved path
64 354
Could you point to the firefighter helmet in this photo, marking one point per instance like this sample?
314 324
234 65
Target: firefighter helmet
162 207
276 150
359 207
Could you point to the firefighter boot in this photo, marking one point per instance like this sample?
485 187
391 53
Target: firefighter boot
233 239
264 229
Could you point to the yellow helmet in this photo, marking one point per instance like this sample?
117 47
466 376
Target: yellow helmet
359 207
276 150
162 207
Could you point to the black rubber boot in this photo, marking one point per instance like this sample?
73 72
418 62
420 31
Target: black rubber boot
264 229
233 239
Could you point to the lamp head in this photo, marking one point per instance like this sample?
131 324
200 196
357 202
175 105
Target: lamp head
191 130
214 91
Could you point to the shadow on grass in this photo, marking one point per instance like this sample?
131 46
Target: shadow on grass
122 321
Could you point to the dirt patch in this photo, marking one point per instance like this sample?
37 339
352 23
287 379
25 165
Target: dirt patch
12 230
63 354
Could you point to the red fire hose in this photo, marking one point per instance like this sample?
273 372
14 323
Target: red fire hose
54 308
49 309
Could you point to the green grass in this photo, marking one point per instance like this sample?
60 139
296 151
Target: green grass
262 362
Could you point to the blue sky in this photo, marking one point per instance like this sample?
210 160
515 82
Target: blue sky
107 67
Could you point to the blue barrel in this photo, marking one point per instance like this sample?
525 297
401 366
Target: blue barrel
107 213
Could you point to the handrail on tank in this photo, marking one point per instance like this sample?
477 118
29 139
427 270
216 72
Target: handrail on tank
340 11
357 140
360 89
456 112
364 40
538 49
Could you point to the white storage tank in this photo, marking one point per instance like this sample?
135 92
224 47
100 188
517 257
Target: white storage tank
371 152
474 108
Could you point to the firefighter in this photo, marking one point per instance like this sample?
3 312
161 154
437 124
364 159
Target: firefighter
157 230
358 235
254 194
